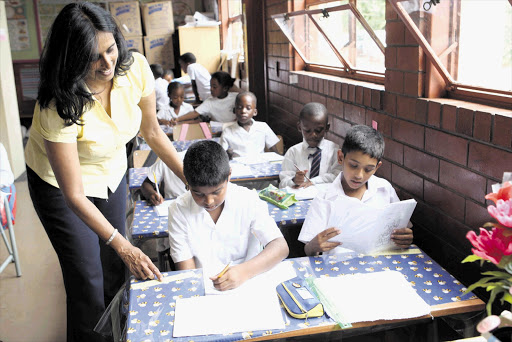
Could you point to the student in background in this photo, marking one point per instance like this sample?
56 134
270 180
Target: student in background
6 175
218 222
168 75
315 156
247 136
219 107
360 157
176 106
161 84
199 76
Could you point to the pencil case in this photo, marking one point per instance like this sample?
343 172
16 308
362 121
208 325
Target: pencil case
298 300
278 197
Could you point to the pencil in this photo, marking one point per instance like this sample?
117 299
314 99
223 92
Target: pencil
156 184
224 270
309 180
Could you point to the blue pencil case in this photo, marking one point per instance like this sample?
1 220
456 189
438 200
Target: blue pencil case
298 300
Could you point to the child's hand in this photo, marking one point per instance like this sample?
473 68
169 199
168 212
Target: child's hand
156 199
233 278
320 242
230 153
402 237
165 122
305 184
173 122
299 177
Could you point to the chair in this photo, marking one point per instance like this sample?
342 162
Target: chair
6 216
200 130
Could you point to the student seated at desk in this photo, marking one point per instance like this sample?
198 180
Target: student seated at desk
218 107
314 160
199 76
360 157
160 86
176 106
247 136
216 222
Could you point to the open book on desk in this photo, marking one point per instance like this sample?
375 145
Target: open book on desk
260 158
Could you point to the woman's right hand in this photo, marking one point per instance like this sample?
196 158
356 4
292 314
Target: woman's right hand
139 264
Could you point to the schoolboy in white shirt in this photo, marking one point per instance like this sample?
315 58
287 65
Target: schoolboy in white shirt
247 136
199 76
360 157
315 157
217 222
162 100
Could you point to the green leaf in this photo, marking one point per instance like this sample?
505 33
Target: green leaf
507 297
491 300
471 258
503 275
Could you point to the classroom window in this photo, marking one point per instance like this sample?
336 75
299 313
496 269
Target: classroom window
339 37
468 43
232 26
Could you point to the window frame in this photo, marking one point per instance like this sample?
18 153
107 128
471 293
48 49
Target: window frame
227 21
347 70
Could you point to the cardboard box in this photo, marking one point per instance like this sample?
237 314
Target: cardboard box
127 16
135 43
157 18
158 49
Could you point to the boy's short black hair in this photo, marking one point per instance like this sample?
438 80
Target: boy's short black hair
365 139
206 163
225 80
188 58
157 70
173 86
246 93
313 109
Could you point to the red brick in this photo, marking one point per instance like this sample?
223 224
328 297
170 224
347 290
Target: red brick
413 84
482 127
390 57
376 99
409 133
421 162
297 107
283 90
489 160
395 33
334 107
389 103
383 121
390 12
476 214
445 145
359 95
449 117
409 58
434 114
326 87
315 84
332 89
445 200
318 98
273 86
502 130
311 83
294 93
337 90
340 127
304 96
406 107
420 114
407 180
285 50
394 81
344 91
367 97
354 114
394 151
464 121
409 38
320 87
384 171
351 93
463 181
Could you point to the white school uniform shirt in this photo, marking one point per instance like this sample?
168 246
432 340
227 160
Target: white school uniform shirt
167 113
198 73
379 194
6 175
243 142
299 155
162 99
242 228
220 110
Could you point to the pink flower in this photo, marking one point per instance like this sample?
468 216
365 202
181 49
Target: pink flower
504 193
502 212
491 245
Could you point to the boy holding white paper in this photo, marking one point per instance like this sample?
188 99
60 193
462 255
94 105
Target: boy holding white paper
360 157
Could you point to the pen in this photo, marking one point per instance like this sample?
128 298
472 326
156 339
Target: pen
156 184
309 180
224 270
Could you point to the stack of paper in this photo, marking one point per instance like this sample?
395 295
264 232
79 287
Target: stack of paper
240 170
308 193
260 158
163 209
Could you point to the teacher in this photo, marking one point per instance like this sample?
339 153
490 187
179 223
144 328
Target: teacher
94 96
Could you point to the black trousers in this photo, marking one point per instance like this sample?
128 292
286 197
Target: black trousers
92 271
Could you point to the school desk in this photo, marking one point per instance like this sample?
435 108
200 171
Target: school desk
178 145
150 313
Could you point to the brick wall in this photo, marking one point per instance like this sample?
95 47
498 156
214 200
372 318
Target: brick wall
444 153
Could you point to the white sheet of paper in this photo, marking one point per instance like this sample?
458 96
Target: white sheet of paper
260 158
308 193
240 170
166 280
163 209
366 229
367 297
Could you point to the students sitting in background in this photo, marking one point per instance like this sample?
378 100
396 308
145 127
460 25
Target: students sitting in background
360 157
247 136
219 107
168 75
176 106
315 157
199 76
218 222
161 84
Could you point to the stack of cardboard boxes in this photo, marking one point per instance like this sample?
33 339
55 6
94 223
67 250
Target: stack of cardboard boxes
158 24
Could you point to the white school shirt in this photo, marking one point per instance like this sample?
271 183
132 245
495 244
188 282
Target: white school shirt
243 142
220 110
167 112
299 155
198 73
6 175
379 194
162 99
242 228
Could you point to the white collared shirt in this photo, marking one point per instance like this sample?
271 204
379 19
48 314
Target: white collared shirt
167 112
379 194
299 155
220 110
242 228
173 186
162 99
198 73
243 142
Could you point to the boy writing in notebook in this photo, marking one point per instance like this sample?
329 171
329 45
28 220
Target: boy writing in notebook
217 223
314 160
247 136
360 157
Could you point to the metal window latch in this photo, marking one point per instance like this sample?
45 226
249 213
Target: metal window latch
325 14
286 17
427 5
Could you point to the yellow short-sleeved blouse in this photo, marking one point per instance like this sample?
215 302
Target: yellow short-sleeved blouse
101 140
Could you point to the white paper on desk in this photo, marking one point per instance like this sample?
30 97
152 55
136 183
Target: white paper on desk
240 170
259 158
366 297
308 193
163 209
